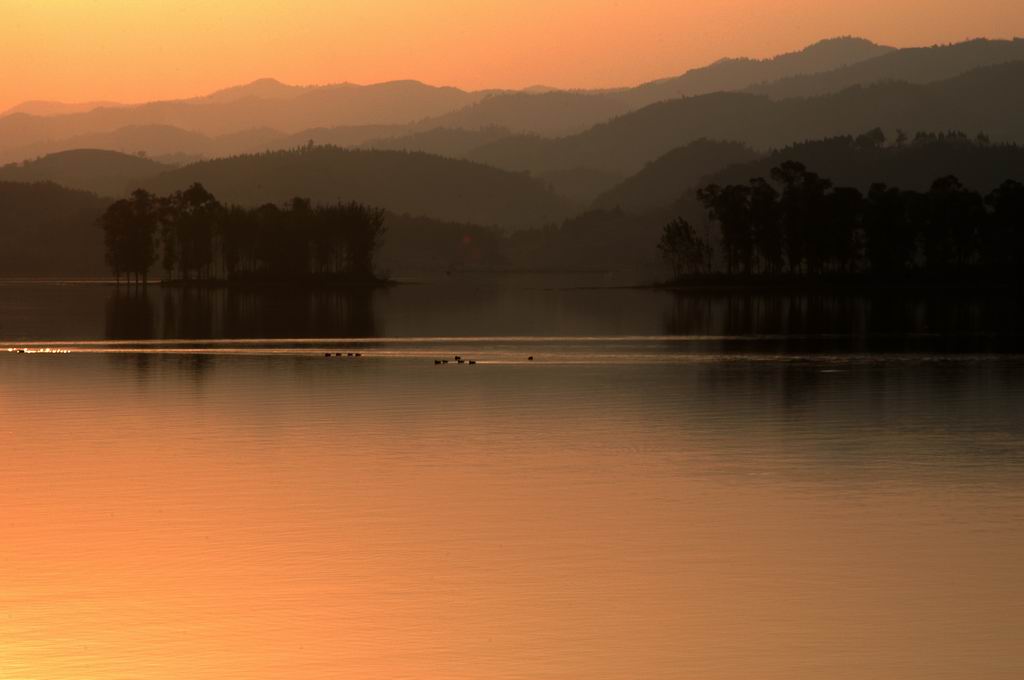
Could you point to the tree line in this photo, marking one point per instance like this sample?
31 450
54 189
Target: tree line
196 238
799 224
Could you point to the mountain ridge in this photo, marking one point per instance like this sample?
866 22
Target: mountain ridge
411 183
985 99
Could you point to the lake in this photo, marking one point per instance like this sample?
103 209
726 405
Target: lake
675 486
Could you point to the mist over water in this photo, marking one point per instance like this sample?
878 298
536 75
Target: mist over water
725 487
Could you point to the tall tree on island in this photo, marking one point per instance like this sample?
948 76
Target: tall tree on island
683 250
189 220
129 234
1002 243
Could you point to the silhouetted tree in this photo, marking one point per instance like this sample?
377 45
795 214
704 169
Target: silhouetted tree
889 237
803 212
1002 241
765 217
825 230
201 238
730 207
683 250
951 227
189 221
235 237
129 228
872 139
844 208
364 229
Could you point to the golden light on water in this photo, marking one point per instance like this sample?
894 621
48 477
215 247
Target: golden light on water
286 516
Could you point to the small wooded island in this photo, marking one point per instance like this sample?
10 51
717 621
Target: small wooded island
798 229
199 241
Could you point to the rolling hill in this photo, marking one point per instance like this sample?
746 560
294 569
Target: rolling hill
151 140
545 113
107 173
47 230
661 181
913 165
402 182
451 142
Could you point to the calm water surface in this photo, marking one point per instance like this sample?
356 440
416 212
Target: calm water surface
723 487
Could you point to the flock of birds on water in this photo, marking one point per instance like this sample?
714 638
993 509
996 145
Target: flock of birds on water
437 362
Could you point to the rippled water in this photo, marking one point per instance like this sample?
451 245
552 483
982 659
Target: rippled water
718 488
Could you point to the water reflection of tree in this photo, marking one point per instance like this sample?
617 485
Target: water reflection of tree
129 314
880 322
203 314
289 314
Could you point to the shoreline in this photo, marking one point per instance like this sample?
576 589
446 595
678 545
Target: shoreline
841 284
274 284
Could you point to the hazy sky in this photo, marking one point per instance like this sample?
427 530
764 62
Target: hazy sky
134 50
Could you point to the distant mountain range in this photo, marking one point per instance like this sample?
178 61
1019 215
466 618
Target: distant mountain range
48 108
988 100
238 110
267 114
728 75
582 166
910 65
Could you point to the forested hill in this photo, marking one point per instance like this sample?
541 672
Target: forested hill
413 183
547 113
47 230
661 181
912 164
988 99
909 161
108 173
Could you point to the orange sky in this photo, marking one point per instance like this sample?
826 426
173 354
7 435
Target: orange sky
135 50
